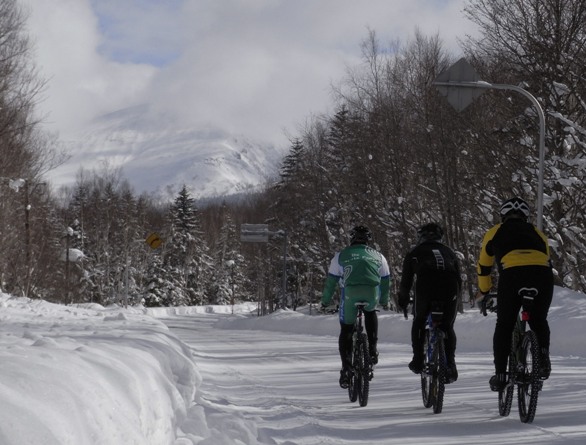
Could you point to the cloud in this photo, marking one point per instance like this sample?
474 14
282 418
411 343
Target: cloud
81 83
258 67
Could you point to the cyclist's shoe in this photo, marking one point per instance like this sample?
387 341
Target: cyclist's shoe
451 373
344 378
498 382
416 365
545 365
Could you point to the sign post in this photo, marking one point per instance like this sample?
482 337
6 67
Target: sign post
259 233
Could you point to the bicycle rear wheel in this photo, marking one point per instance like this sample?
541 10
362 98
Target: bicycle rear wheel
439 375
363 370
352 377
528 382
352 386
506 394
427 372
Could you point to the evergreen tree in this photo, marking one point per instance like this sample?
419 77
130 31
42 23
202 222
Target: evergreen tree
186 258
228 281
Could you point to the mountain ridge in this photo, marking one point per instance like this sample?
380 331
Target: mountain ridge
158 156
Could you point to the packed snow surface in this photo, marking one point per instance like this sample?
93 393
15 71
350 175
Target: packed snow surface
85 374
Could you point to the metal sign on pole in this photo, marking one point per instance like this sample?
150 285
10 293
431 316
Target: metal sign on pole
459 98
254 233
461 85
259 233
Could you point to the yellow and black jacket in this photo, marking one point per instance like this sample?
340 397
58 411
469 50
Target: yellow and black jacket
510 244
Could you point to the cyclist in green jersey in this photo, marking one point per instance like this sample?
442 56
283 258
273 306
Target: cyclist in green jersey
363 275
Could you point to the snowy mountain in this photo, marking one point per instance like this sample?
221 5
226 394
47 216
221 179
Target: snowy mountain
158 155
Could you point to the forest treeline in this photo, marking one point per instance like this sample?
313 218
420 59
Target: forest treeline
393 155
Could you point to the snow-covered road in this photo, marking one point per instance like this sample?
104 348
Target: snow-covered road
273 380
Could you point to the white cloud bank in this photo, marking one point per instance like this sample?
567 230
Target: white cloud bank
255 67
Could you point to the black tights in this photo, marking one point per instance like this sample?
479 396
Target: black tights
422 308
509 302
345 338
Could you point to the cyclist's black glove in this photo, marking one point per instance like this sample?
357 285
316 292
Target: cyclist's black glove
323 308
403 301
486 303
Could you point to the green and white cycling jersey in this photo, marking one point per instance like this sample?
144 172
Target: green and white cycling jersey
363 275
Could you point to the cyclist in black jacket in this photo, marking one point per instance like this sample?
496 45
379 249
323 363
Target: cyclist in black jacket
521 253
438 278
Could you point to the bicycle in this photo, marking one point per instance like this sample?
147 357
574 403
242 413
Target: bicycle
434 372
361 370
524 362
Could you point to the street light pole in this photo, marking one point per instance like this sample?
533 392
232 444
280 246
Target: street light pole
284 283
27 234
486 85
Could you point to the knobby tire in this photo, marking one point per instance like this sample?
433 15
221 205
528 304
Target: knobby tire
353 380
426 373
363 370
529 382
439 375
433 375
506 394
353 387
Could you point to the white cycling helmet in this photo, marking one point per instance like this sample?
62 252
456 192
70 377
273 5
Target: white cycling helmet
514 207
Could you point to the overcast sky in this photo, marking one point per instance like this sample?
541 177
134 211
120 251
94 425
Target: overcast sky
258 67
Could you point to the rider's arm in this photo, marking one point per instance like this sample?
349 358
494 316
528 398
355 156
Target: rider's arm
334 275
545 240
385 290
407 275
486 261
329 289
385 282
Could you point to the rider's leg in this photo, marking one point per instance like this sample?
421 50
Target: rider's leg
345 344
508 305
368 294
450 311
347 316
420 310
345 349
543 277
371 325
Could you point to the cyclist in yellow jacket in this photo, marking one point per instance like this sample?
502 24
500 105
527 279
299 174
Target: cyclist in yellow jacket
521 254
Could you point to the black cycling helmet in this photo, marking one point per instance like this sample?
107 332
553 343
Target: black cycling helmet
360 235
514 208
430 232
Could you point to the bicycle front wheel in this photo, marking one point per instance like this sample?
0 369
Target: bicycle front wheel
353 383
506 394
427 372
439 375
528 382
